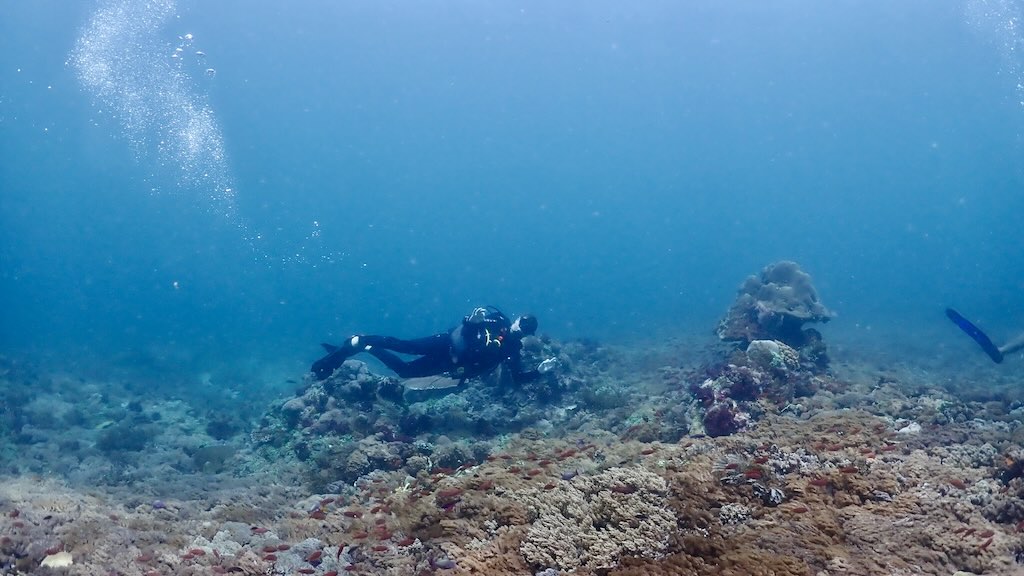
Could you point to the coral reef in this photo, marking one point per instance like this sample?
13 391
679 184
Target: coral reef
356 421
750 460
776 360
775 306
791 496
767 377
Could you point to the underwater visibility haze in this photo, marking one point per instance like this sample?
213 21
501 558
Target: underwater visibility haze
195 195
613 169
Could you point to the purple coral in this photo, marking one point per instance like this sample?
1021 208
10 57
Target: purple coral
723 418
704 392
744 383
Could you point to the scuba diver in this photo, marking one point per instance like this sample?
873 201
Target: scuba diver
996 353
484 340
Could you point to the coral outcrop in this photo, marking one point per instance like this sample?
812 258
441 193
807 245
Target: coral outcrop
775 305
776 360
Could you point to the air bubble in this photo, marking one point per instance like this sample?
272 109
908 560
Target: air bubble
996 21
121 59
161 115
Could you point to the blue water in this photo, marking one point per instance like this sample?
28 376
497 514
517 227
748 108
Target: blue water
615 168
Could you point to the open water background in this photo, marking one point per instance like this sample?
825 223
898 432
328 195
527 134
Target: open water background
616 168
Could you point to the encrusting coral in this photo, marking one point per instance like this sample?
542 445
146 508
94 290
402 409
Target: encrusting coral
593 521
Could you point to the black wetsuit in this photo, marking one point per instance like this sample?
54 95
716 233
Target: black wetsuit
474 348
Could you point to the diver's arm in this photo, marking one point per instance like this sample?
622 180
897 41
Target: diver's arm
1015 345
514 363
520 376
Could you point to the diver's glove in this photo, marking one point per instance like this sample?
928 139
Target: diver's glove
548 365
477 316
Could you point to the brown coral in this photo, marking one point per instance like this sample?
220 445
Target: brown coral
594 521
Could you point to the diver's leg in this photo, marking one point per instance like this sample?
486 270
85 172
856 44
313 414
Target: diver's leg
430 365
1015 345
326 366
336 355
436 351
438 344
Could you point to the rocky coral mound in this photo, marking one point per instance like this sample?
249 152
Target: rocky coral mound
766 377
356 421
776 305
775 360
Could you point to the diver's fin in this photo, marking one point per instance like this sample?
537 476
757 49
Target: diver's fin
324 367
976 333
